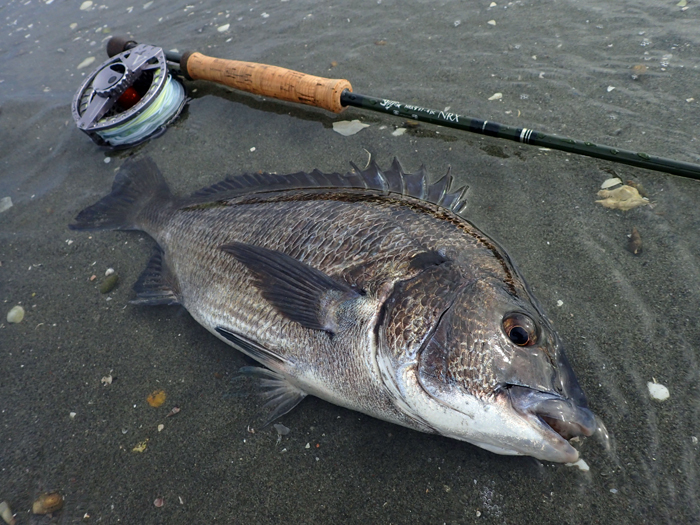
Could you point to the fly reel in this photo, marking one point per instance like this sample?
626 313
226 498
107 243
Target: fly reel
130 98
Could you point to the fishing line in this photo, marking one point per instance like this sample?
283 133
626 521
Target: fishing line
155 117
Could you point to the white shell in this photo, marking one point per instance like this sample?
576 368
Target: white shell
15 315
5 204
348 127
6 513
581 464
658 391
610 183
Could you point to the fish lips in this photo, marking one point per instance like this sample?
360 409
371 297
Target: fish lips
559 418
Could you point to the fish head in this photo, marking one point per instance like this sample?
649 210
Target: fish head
493 372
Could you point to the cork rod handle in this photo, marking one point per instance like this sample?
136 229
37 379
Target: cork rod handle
269 81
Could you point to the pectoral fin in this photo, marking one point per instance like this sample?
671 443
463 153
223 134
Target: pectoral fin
251 348
298 291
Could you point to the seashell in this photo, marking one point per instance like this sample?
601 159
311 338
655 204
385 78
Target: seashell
15 315
609 183
47 503
6 513
622 198
658 391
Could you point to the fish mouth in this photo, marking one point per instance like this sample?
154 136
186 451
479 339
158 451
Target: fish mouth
558 418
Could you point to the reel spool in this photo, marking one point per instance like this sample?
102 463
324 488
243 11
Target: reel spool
130 98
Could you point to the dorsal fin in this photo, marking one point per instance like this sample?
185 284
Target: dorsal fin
392 181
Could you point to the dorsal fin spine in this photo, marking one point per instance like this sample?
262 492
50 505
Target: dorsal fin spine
394 180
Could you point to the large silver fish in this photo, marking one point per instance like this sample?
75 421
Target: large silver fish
368 290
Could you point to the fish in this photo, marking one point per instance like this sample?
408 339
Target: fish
367 289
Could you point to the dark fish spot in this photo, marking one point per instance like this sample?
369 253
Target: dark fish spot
426 259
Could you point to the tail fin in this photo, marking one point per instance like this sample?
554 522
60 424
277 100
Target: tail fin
137 185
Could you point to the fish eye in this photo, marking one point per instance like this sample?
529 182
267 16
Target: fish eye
520 329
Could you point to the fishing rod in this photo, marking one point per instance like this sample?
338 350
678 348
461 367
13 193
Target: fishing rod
111 99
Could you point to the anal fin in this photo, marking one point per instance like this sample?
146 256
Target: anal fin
157 284
279 394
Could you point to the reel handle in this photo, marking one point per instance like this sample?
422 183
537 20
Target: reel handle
269 81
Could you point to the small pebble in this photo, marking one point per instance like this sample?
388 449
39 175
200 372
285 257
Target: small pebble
641 189
48 503
658 391
15 315
223 28
634 244
72 415
109 283
156 398
159 502
109 272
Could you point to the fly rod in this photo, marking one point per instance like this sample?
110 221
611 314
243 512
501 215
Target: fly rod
284 84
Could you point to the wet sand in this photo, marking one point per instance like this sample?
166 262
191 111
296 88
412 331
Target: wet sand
625 319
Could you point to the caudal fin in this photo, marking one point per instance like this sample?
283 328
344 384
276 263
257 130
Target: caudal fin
137 185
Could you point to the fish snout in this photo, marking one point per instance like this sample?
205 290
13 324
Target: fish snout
563 416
